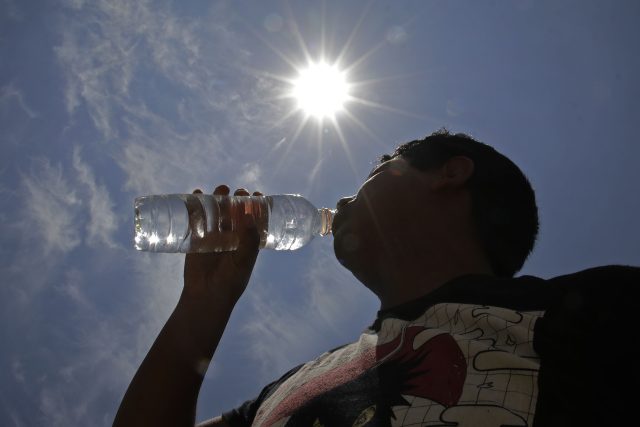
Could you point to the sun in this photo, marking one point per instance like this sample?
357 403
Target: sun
321 90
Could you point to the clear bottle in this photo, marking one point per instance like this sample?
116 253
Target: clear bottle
206 223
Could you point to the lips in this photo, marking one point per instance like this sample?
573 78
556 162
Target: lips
339 216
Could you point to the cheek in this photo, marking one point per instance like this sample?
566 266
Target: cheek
377 215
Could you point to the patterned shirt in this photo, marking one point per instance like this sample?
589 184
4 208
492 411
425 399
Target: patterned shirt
478 351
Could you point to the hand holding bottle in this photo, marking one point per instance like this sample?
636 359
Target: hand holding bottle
165 389
224 273
207 223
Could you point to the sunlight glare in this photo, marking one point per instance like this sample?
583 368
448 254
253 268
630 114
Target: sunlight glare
154 239
321 90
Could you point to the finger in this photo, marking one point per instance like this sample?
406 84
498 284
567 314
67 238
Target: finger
257 193
241 192
221 190
249 242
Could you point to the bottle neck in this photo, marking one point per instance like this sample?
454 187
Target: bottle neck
326 219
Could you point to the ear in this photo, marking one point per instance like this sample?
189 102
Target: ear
454 173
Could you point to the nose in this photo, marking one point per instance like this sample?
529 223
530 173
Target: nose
344 201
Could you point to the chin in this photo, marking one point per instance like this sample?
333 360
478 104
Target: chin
349 252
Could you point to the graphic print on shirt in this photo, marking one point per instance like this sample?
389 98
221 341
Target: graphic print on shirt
455 365
435 370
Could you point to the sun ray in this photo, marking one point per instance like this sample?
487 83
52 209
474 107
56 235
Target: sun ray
275 50
319 159
364 56
296 32
345 147
323 21
283 119
294 139
347 44
386 108
262 73
368 131
340 115
370 82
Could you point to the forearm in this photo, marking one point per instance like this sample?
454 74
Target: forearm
165 389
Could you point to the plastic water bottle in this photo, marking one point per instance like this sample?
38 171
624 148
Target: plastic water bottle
206 223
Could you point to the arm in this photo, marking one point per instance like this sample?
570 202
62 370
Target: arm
165 389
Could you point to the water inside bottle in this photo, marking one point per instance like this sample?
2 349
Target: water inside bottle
214 222
161 222
204 223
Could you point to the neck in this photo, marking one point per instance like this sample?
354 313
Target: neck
411 277
409 288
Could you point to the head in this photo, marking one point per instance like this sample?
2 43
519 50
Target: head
443 186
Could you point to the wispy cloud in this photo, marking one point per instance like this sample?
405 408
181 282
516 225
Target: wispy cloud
10 94
102 220
86 375
117 55
282 334
72 287
89 71
176 106
54 204
251 178
50 207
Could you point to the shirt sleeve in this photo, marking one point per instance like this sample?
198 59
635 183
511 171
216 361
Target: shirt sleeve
243 415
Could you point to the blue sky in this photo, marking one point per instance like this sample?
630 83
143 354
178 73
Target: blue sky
105 100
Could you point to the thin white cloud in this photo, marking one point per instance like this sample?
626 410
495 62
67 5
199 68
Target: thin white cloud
54 410
102 220
116 56
50 208
337 296
53 207
281 334
250 178
10 94
66 53
89 71
108 42
112 51
72 287
85 380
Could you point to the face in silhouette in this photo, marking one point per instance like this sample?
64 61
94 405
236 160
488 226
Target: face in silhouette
387 219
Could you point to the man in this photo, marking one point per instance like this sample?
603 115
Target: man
436 232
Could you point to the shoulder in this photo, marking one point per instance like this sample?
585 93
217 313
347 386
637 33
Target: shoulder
609 288
603 274
588 309
598 286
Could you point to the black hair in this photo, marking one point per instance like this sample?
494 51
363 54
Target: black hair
504 207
